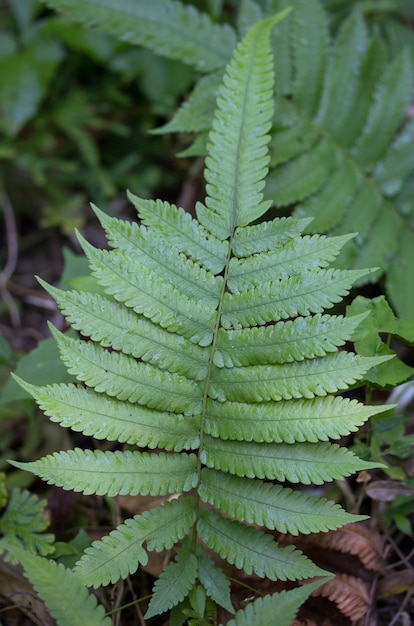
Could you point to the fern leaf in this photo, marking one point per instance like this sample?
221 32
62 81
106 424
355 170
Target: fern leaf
344 67
391 100
22 525
154 252
300 463
169 28
252 550
102 417
309 40
64 594
303 176
235 176
120 376
266 235
117 473
307 379
271 506
118 554
284 342
285 605
144 291
397 164
310 292
213 580
174 583
288 421
307 253
332 201
183 232
197 112
399 281
113 325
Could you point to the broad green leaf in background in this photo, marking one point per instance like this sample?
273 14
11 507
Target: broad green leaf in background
368 342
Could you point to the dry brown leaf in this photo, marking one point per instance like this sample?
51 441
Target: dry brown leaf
355 539
350 594
386 490
395 582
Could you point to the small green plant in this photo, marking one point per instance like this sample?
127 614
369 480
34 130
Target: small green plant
206 348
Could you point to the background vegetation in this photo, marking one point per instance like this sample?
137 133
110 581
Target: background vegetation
77 105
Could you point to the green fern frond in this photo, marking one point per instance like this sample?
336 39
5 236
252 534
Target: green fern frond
22 525
285 605
118 554
169 28
292 340
300 463
273 507
103 417
301 294
183 232
305 379
310 253
213 579
210 335
117 473
118 375
287 421
252 550
174 583
65 596
112 325
158 300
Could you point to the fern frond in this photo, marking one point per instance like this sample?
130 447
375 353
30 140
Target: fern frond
390 103
285 605
197 112
120 376
154 252
147 293
102 417
113 325
310 292
268 235
169 28
307 253
252 550
117 473
306 379
213 579
273 506
174 583
284 342
300 463
183 232
310 32
287 421
235 176
22 525
236 356
64 594
118 554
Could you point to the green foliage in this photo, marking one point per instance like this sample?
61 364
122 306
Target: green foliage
191 286
344 161
285 605
64 594
22 525
367 339
73 106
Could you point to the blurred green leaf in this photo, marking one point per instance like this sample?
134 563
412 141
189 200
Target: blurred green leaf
42 366
368 342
